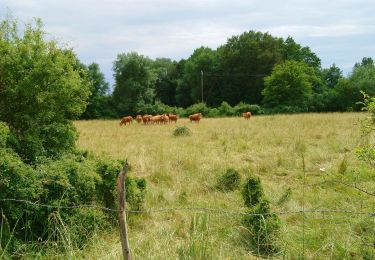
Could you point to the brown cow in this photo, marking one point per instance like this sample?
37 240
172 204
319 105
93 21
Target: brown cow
125 120
139 119
164 119
196 117
146 119
172 117
155 119
246 115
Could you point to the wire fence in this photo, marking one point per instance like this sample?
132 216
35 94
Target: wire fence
197 209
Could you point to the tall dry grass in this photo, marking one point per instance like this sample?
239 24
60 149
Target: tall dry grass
183 171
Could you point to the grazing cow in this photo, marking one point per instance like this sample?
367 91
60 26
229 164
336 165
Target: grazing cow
125 120
155 119
246 115
139 119
196 117
164 119
146 119
172 117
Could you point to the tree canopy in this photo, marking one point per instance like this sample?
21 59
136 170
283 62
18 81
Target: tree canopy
42 86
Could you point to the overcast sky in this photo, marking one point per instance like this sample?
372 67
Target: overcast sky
338 31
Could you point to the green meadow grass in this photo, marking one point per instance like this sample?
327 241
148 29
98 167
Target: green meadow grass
182 171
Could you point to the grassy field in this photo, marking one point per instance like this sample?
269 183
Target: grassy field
183 171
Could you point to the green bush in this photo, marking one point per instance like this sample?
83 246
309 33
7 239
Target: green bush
262 224
263 228
74 180
252 191
182 131
135 187
229 181
226 110
243 107
197 108
4 134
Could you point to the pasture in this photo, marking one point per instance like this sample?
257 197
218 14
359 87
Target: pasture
182 172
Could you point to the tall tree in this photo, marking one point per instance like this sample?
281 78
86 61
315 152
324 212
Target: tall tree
99 90
42 88
134 82
290 84
361 79
166 81
244 61
203 60
331 76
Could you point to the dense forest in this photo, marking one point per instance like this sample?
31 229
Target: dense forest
253 71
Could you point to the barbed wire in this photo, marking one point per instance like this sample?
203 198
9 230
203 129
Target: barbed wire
196 209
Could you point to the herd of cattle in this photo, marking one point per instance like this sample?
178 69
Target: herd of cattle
165 118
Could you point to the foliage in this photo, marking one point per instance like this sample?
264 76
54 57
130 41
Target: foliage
197 108
349 89
243 107
99 88
226 110
290 84
182 131
367 151
43 87
263 225
252 191
133 82
332 75
4 134
229 181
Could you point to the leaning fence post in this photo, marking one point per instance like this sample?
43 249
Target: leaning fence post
122 212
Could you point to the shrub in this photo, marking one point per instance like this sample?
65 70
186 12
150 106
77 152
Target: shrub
263 227
4 134
182 131
229 181
252 191
243 107
262 224
135 187
197 108
225 109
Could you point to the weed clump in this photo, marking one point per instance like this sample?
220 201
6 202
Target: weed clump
229 181
252 191
182 131
263 225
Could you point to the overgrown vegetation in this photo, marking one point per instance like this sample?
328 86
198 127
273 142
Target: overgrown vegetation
229 181
262 224
43 88
182 131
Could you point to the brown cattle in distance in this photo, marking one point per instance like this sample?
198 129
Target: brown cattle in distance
125 120
146 119
164 119
195 118
246 115
139 119
155 119
172 117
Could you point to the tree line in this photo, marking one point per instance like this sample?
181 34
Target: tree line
254 68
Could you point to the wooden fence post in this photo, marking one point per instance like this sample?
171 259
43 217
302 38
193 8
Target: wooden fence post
122 212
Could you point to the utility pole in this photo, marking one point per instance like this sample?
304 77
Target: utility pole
202 84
